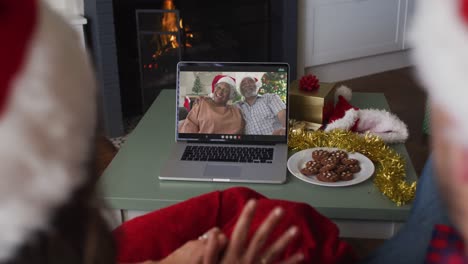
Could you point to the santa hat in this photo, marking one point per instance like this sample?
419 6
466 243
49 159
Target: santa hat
344 116
224 79
378 122
439 35
48 118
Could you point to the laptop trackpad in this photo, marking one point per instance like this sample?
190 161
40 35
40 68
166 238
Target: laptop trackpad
222 171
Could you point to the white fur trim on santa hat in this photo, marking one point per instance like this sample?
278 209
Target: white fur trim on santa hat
227 80
45 131
346 122
382 124
439 36
344 91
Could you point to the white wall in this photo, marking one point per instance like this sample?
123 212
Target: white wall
360 60
67 7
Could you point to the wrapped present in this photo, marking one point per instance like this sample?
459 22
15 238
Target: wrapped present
315 107
304 125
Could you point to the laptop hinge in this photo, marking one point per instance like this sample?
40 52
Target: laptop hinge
235 143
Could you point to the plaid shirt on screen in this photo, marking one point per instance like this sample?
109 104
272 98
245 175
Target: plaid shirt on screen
445 247
261 118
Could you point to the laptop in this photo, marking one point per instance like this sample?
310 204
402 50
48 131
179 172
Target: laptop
223 137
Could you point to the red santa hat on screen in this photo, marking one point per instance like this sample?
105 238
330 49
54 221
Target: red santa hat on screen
47 118
439 36
224 79
378 122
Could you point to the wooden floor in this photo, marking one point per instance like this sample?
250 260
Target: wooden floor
406 100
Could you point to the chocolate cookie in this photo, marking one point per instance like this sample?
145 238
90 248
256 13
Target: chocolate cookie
328 167
339 154
340 168
329 160
354 168
347 161
313 164
307 172
346 176
315 170
320 154
328 176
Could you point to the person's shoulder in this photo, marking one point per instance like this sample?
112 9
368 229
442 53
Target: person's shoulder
205 102
270 96
235 108
200 105
239 103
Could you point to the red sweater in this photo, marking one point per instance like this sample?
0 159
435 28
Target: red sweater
157 234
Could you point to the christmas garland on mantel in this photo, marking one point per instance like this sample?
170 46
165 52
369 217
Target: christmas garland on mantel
390 177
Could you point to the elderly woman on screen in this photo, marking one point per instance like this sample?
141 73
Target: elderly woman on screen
214 115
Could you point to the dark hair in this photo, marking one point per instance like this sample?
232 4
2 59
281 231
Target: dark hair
78 232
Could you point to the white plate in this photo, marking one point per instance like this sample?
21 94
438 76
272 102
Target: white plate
297 161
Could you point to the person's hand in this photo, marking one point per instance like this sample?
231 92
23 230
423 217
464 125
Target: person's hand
192 252
279 132
239 251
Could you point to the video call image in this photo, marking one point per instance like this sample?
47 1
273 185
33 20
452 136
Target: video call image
232 103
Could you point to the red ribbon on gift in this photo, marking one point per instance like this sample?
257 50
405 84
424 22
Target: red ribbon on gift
309 83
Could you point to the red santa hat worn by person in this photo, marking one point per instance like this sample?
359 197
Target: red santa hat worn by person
378 122
224 79
439 35
47 119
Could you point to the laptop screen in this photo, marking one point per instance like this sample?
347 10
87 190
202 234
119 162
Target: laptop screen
232 102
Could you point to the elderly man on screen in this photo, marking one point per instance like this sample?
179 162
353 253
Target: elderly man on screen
214 115
263 114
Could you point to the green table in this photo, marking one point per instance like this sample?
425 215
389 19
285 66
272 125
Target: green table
131 183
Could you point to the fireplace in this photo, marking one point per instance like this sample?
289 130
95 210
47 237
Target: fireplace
137 43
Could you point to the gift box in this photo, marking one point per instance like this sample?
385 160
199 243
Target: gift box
315 107
304 125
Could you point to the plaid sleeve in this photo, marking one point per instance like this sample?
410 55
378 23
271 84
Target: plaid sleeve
446 246
275 103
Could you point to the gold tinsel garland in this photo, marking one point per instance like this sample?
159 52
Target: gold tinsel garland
390 166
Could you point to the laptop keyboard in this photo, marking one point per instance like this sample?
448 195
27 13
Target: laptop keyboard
228 154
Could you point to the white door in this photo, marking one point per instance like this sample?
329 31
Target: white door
338 30
409 17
